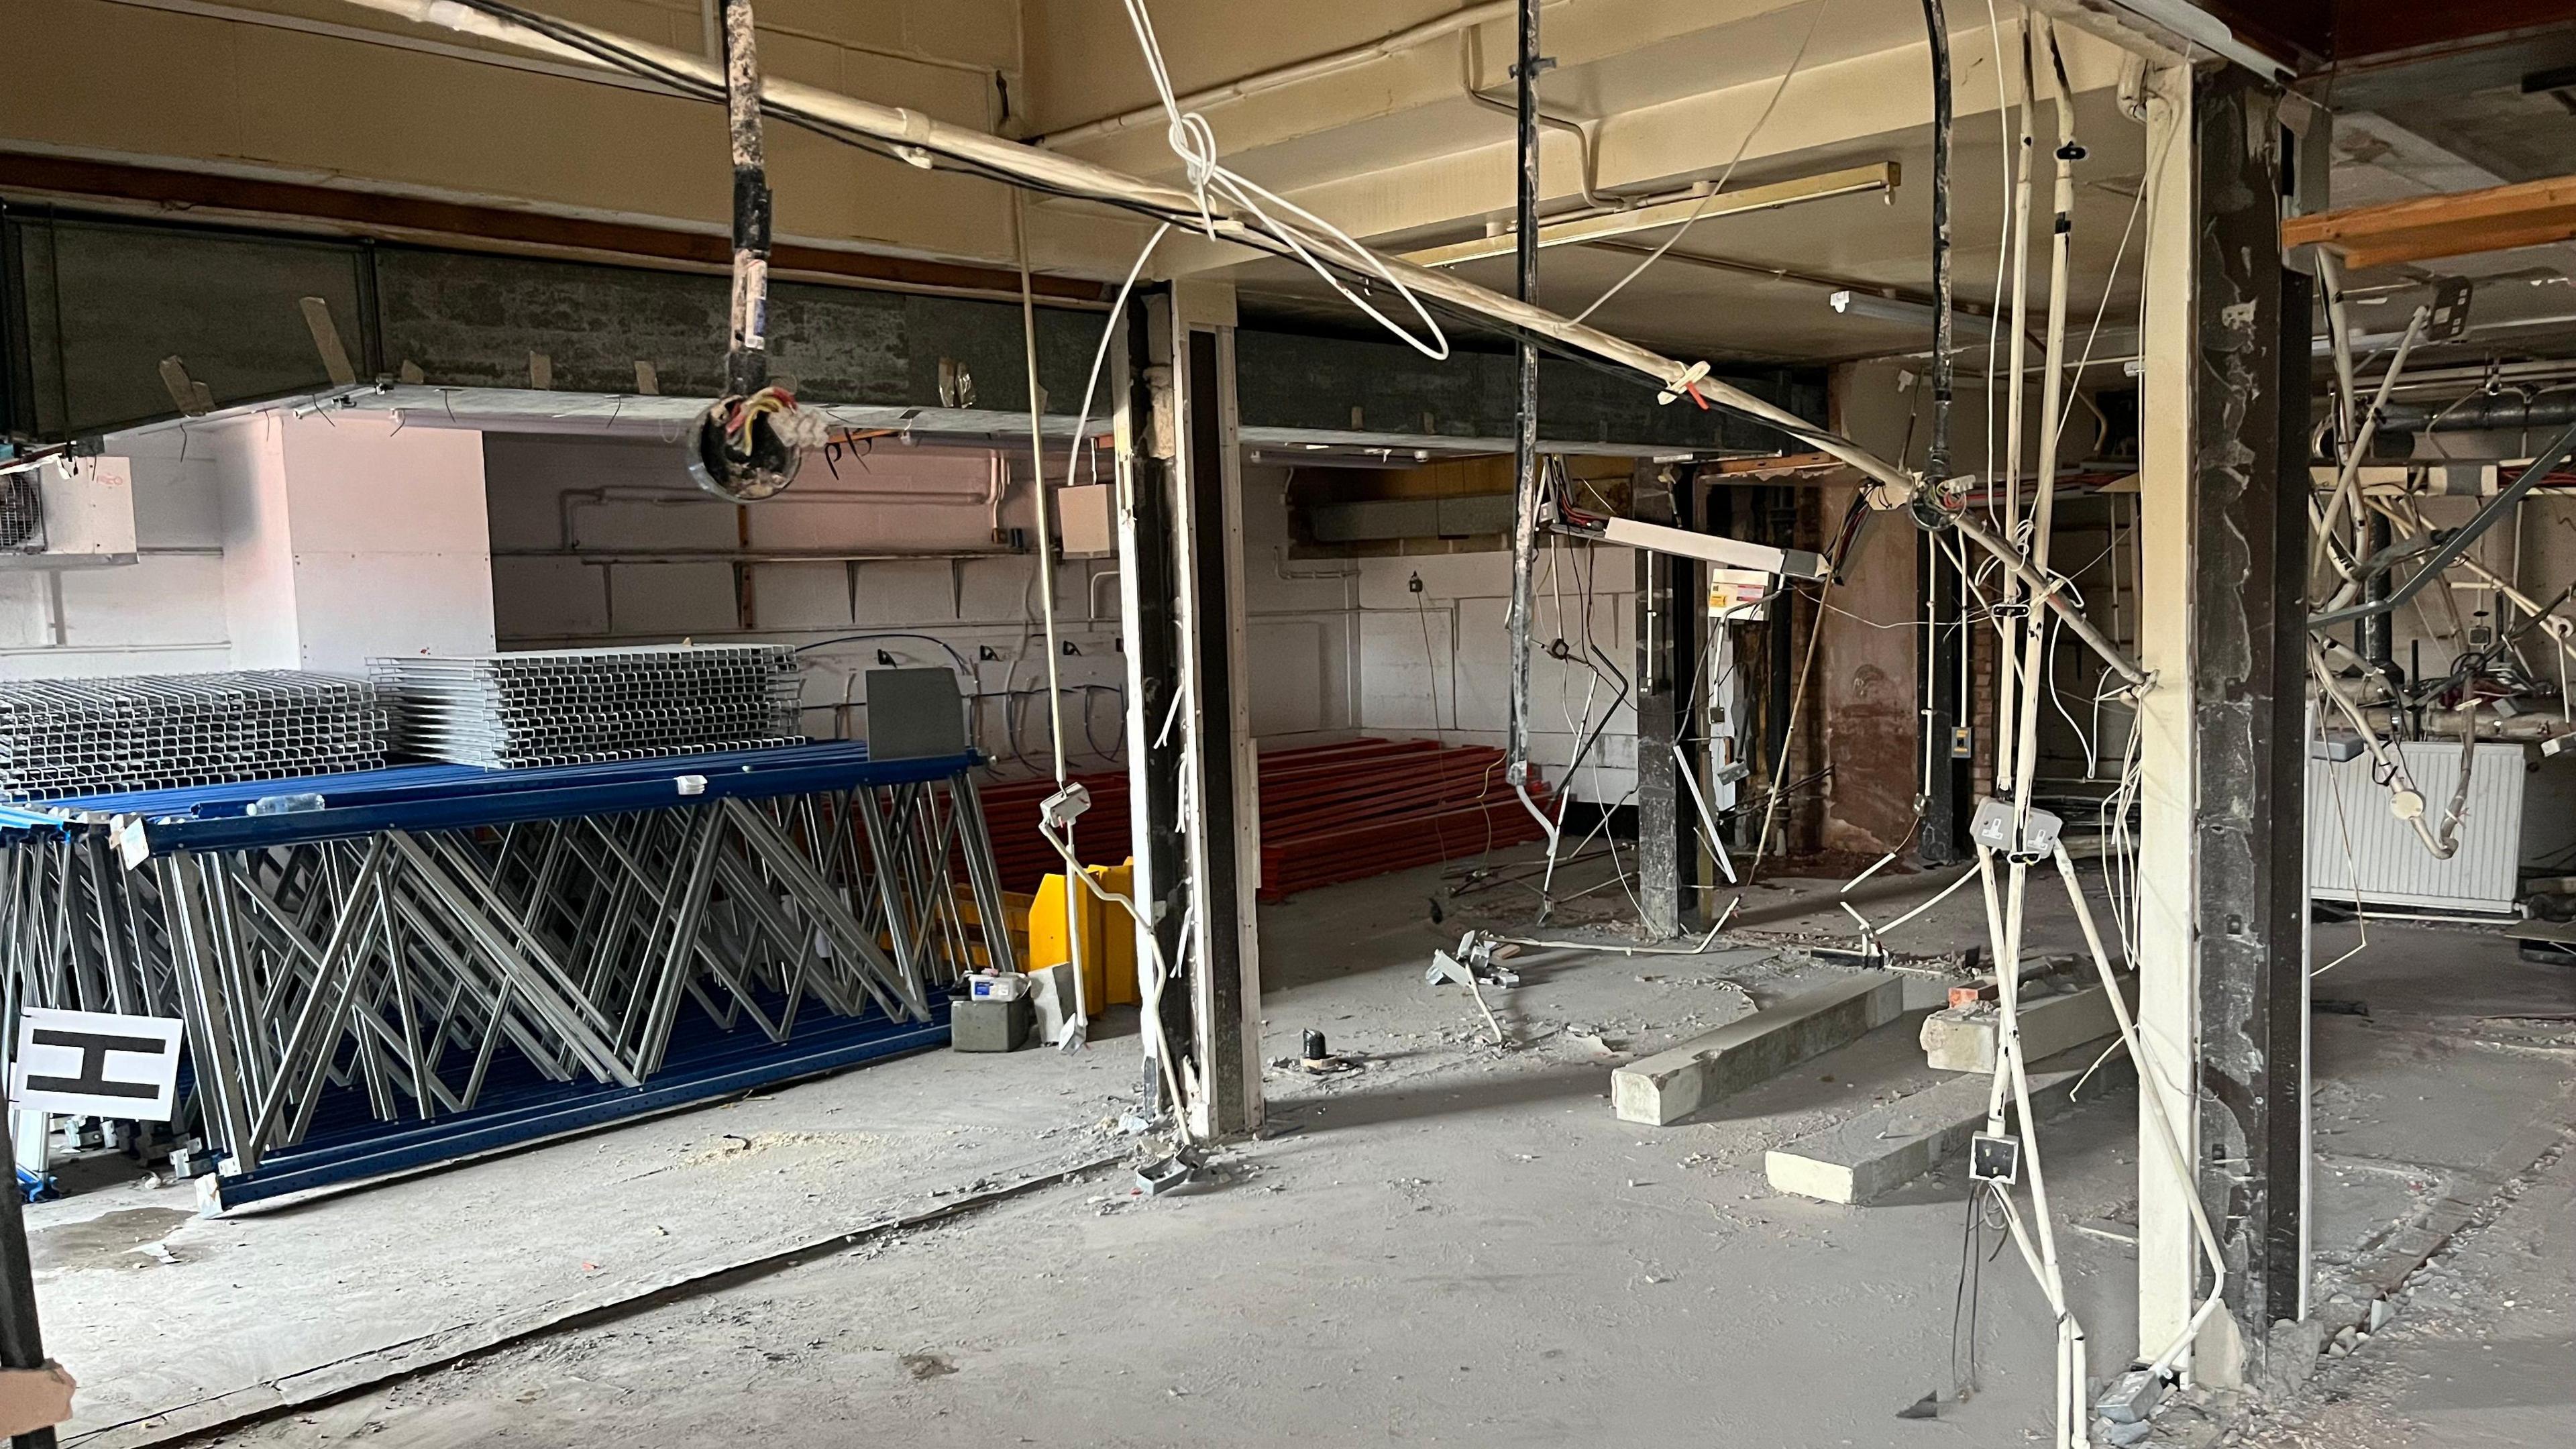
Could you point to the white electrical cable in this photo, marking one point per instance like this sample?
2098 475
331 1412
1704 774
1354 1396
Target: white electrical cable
2003 241
1814 22
1151 971
1100 354
1078 1030
2006 741
2153 1090
1194 141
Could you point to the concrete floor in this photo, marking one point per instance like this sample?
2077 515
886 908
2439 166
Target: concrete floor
1455 1243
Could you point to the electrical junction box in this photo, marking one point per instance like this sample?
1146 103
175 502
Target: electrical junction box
1993 826
1086 521
1994 1158
1739 596
67 512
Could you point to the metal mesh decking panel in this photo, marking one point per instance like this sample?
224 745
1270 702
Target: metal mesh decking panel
577 706
66 737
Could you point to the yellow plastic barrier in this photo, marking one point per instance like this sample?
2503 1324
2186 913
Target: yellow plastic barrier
1107 933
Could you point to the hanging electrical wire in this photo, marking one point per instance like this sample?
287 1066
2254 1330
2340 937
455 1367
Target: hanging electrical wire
1796 61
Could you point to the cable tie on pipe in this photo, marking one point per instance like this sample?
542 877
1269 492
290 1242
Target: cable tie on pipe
1676 387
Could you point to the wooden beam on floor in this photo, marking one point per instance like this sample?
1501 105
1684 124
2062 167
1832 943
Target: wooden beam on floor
2422 228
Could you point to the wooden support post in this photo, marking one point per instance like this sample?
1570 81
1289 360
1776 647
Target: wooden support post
2423 228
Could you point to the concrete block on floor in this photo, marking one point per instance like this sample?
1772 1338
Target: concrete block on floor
1887 1147
1963 1039
1670 1085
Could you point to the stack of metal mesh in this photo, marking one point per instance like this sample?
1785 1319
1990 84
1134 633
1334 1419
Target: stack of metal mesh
67 737
578 706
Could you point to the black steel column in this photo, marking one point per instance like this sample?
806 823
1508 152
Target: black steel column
2249 535
1946 777
1151 635
1525 477
1213 792
1671 602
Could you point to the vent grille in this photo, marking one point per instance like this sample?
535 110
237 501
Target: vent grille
22 512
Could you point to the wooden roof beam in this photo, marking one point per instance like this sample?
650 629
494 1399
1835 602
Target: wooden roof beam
2421 228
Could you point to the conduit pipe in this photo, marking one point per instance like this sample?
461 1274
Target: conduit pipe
2051 415
2007 740
1491 12
898 126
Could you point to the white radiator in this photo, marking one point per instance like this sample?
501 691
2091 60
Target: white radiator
2358 850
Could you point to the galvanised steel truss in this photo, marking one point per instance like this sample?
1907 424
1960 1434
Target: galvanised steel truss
398 966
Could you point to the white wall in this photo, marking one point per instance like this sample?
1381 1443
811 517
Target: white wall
1457 686
598 539
349 538
270 542
163 613
1302 617
606 539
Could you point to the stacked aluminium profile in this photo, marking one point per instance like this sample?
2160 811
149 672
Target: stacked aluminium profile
67 737
585 706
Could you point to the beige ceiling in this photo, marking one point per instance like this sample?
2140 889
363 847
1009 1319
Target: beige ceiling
1396 150
1866 241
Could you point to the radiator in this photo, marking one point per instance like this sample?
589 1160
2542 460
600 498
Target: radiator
2359 851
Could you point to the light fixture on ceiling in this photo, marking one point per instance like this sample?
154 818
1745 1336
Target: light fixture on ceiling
1909 313
1877 178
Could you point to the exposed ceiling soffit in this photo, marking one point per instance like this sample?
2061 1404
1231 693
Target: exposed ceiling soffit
215 196
2165 32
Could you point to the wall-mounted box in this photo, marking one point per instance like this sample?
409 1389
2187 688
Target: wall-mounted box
67 513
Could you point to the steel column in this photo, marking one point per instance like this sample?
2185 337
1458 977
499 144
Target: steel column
2223 533
1672 594
1147 435
2250 538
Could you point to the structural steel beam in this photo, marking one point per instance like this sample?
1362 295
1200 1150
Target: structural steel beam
2249 582
2223 531
1671 604
1194 770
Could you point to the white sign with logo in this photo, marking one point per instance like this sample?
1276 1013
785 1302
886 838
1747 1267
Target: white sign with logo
95 1064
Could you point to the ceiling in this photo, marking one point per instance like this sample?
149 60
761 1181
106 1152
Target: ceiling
1868 242
2524 302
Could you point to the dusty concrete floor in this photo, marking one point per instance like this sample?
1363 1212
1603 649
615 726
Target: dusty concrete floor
1455 1243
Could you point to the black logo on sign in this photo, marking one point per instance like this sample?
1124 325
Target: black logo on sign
94 1047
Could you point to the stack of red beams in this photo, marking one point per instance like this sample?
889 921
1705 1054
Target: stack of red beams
1332 813
1329 813
1023 856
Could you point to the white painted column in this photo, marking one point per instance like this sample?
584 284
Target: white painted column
2168 1258
349 537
